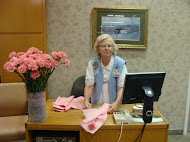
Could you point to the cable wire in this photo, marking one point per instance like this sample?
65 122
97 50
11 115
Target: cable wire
121 131
141 134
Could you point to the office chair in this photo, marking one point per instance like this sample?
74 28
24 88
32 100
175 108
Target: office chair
78 87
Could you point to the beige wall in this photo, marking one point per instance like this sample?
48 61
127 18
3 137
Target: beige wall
68 28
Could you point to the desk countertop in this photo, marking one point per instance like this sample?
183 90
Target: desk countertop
71 119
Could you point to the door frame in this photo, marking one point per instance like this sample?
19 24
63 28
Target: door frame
187 109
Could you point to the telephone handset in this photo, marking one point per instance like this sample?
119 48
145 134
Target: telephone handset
122 116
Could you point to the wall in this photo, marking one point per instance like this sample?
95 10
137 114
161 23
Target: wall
69 29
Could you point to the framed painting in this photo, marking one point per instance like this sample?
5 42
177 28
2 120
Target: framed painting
128 27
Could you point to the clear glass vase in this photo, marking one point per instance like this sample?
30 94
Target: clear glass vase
37 107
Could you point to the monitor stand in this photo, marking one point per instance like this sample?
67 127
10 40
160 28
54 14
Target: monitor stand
148 104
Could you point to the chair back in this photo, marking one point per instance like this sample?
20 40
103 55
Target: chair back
78 87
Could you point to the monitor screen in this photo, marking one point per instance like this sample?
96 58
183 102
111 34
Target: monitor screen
139 84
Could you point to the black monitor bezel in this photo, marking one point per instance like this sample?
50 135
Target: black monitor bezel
148 76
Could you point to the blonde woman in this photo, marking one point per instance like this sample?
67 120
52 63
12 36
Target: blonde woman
105 75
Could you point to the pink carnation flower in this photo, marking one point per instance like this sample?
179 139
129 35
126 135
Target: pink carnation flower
32 56
47 57
41 63
12 54
26 67
9 67
33 50
22 69
54 63
28 60
47 64
91 126
35 74
22 56
14 60
19 54
62 55
67 62
21 60
55 55
6 64
33 66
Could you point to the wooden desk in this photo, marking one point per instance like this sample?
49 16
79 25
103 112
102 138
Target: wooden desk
70 121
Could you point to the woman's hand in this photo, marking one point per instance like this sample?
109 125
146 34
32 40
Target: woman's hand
112 107
87 105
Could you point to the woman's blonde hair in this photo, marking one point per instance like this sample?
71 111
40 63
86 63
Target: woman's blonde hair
101 38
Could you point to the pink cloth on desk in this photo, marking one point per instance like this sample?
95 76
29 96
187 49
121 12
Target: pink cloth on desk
63 104
98 116
77 103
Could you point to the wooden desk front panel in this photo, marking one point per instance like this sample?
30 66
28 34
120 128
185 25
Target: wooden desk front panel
150 135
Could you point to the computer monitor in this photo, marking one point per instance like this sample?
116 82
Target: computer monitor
139 84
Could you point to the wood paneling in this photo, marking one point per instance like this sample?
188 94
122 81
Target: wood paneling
21 16
17 43
23 25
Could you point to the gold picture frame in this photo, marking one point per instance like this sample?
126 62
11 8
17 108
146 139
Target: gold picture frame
128 27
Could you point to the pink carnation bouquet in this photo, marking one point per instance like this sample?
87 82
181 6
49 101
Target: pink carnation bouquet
35 67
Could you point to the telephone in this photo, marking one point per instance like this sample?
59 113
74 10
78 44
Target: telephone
122 116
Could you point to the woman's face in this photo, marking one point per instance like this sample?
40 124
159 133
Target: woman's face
105 48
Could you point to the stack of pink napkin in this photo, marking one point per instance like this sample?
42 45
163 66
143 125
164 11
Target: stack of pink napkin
63 104
94 118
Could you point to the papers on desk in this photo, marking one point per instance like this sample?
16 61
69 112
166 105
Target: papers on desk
153 120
